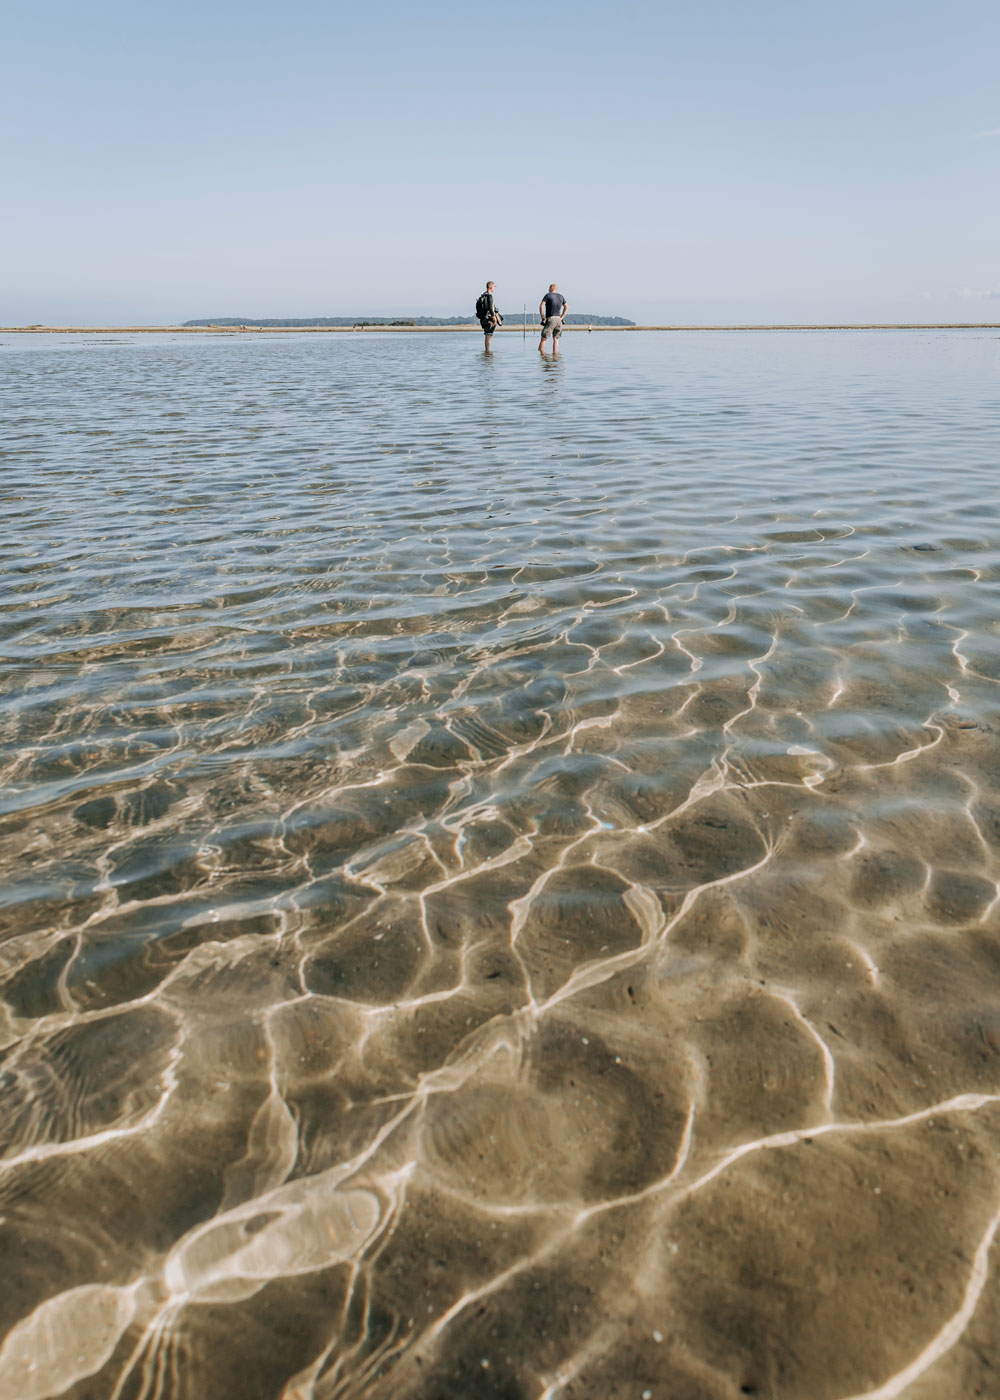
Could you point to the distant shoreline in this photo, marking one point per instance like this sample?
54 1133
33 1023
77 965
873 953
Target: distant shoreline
509 329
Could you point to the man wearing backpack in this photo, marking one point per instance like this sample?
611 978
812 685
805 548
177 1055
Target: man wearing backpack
487 313
552 308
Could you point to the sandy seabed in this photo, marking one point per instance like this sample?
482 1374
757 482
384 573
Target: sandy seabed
513 918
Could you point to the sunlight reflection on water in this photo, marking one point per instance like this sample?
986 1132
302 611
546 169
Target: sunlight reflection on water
501 862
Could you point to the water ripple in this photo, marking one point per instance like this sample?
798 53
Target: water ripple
502 866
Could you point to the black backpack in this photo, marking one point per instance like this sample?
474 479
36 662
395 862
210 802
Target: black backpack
482 305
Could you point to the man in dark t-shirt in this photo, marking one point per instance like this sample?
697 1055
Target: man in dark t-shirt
491 317
552 309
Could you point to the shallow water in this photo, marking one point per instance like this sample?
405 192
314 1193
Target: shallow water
501 867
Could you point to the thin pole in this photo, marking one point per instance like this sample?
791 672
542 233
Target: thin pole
524 327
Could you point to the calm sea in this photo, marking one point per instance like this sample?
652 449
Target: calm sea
501 866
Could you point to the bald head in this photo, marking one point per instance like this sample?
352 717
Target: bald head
553 287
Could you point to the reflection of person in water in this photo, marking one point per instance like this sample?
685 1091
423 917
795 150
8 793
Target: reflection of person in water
552 309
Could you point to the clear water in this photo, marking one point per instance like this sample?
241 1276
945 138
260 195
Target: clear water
501 866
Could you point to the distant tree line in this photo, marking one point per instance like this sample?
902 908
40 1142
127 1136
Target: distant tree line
512 317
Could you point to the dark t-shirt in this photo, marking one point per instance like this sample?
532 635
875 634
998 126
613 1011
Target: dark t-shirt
554 303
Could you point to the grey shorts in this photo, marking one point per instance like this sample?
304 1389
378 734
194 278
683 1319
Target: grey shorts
552 327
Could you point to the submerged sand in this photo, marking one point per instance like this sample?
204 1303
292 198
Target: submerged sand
510 920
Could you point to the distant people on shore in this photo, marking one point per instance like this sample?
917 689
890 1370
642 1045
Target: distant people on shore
552 308
488 314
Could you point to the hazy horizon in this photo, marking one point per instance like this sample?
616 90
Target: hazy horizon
513 322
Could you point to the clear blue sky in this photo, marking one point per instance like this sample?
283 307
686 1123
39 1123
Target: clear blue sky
710 161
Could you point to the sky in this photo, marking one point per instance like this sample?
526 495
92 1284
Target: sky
710 162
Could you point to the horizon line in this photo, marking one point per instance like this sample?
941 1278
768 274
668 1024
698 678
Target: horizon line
369 328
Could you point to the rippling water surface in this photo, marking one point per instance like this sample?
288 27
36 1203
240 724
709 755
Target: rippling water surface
501 867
